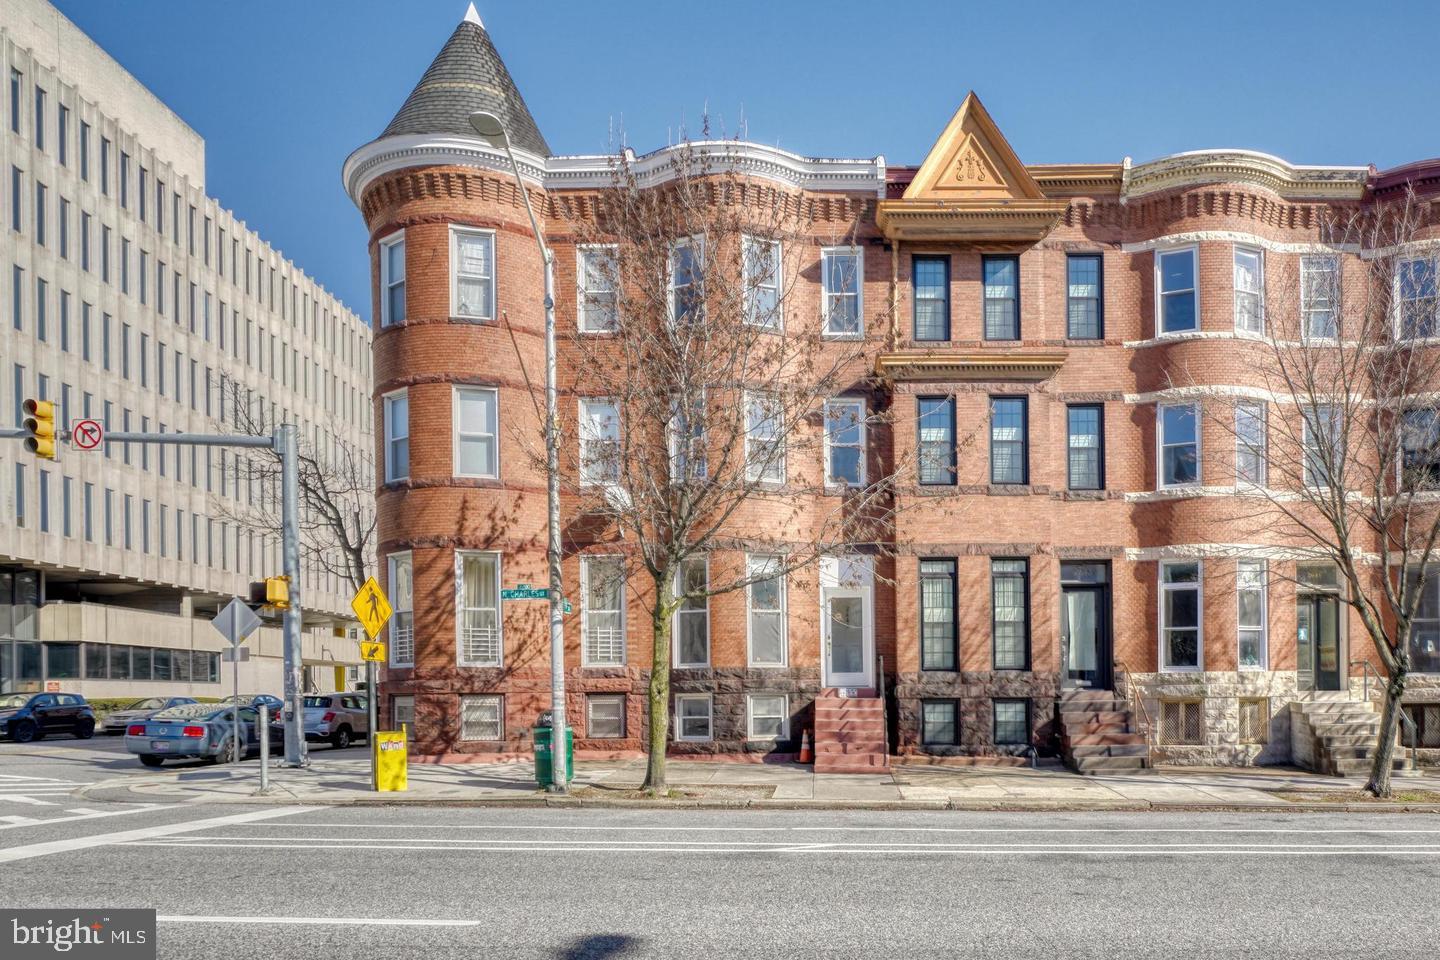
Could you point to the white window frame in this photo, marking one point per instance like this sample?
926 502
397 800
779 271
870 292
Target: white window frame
1398 299
1238 251
750 716
755 472
705 698
386 281
1261 412
459 436
1306 303
586 437
393 562
1160 293
1199 588
1306 429
826 293
755 563
1161 444
749 249
684 464
499 701
857 405
398 702
590 700
586 660
461 659
387 406
1244 581
583 292
681 612
697 243
456 233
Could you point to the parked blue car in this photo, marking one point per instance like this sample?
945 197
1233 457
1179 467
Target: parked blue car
117 720
29 716
198 731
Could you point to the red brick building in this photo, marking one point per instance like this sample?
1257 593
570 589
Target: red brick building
1079 563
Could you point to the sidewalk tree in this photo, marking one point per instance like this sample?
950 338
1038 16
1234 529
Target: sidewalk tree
1336 442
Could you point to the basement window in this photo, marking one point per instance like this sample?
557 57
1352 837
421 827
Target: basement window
1180 721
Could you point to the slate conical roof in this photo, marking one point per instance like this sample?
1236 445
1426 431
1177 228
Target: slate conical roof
468 75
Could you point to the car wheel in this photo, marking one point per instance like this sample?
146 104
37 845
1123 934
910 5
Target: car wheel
25 732
226 752
85 729
340 739
150 760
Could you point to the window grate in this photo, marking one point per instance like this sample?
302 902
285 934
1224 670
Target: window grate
1180 721
480 718
1255 721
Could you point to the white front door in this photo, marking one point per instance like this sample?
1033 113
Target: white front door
848 656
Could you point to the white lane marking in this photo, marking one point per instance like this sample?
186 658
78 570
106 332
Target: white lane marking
92 815
20 821
144 833
82 810
561 828
31 801
328 921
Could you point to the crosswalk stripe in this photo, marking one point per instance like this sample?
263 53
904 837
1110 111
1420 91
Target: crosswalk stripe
19 821
33 802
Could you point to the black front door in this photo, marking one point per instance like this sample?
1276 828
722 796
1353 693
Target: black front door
1085 625
1317 627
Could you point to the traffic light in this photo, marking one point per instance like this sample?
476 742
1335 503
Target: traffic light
271 592
40 422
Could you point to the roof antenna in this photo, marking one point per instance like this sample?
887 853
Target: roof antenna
472 16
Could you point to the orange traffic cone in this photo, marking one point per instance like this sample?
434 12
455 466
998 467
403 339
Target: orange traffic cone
807 753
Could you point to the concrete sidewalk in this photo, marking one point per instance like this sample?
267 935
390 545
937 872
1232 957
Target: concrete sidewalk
346 781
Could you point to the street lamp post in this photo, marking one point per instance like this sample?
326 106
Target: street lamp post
492 130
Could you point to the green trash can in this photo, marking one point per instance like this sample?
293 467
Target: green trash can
544 760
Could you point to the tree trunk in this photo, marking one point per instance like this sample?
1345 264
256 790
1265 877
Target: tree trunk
659 688
1379 782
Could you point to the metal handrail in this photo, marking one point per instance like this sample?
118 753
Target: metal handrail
884 714
1132 694
1408 725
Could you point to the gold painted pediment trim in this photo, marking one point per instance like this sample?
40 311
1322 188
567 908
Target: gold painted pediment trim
972 160
935 367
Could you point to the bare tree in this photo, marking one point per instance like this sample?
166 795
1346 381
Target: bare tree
708 385
1345 466
336 487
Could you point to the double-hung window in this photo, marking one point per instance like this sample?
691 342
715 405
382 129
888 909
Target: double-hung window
472 272
1011 719
939 723
599 441
477 438
1319 296
605 716
392 279
1324 445
1250 614
936 439
397 436
1179 444
477 609
1417 294
1176 304
1001 278
482 717
762 265
764 437
693 716
1010 613
1008 454
845 443
598 269
841 303
1420 449
1084 318
930 278
938 634
602 593
1085 446
767 717
1250 443
692 617
1425 625
401 584
1249 290
687 439
765 600
1180 641
687 281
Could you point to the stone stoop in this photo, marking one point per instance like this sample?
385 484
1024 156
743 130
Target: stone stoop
1343 734
850 733
1098 734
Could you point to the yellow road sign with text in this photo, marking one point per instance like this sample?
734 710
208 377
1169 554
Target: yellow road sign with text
371 607
372 650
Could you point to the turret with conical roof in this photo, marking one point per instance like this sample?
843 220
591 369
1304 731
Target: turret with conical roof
467 75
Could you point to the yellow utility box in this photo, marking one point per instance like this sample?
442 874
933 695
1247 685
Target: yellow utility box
391 760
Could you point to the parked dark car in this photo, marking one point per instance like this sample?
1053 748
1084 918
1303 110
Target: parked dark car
117 720
29 716
196 731
272 703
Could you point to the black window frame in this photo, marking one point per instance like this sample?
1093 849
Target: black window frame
986 259
1099 259
1100 450
944 260
954 703
1024 402
949 401
1029 618
1029 722
954 577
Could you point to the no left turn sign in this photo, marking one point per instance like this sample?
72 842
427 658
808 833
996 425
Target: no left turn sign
87 434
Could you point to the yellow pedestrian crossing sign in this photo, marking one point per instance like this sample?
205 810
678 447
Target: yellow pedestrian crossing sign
372 650
371 608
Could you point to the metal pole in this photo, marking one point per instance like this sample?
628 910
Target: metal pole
559 782
287 445
372 721
264 748
235 704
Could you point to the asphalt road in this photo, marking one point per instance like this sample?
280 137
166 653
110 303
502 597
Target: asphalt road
285 882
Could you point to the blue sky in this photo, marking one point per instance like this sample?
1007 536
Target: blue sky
283 90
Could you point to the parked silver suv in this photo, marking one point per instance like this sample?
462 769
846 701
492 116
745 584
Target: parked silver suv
335 718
